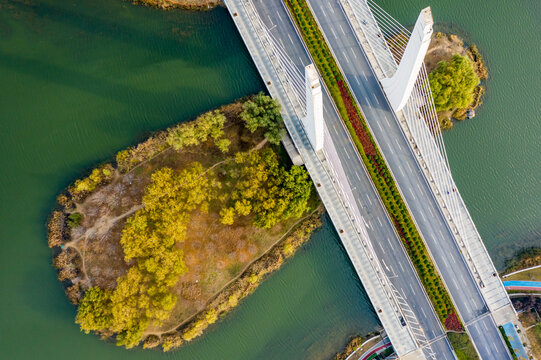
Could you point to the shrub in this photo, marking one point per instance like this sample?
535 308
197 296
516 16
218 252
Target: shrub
264 112
453 83
75 219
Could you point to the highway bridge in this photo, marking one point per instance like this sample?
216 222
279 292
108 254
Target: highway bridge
414 155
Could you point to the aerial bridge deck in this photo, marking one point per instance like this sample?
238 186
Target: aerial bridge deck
345 188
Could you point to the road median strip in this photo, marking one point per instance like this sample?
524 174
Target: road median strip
374 163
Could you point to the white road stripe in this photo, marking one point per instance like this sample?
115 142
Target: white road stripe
369 201
397 143
332 30
341 28
353 52
290 39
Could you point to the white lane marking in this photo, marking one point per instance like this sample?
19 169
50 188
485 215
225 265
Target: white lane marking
300 60
290 39
369 201
419 187
375 97
391 149
402 172
413 291
368 101
365 78
401 267
347 154
423 215
391 244
280 17
379 126
357 81
397 143
409 167
330 8
379 222
423 311
334 34
485 326
358 177
341 28
496 347
347 59
353 52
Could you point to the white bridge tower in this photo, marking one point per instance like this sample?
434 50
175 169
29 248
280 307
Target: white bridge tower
313 121
398 88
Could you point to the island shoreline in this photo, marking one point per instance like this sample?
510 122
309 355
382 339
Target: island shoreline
69 259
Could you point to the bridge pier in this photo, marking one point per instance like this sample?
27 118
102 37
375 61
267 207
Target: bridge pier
398 88
313 121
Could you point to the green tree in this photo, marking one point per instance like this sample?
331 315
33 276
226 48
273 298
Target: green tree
263 188
453 83
223 145
94 312
264 112
207 125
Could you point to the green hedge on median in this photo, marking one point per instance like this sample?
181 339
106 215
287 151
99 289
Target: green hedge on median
377 168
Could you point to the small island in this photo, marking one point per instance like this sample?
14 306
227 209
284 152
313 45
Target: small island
157 248
181 4
455 72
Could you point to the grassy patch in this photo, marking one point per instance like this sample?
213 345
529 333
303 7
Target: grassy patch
373 160
463 346
534 334
508 343
529 275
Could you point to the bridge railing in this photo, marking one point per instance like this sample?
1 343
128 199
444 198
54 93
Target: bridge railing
290 84
385 40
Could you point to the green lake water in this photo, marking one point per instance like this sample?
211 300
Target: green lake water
80 80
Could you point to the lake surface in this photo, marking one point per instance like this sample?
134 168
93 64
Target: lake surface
80 80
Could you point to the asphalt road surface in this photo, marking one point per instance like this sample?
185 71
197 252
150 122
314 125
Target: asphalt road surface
408 175
385 242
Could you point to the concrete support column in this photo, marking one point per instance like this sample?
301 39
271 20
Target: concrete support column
398 88
313 122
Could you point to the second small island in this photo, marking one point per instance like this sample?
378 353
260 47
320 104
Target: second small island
455 72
